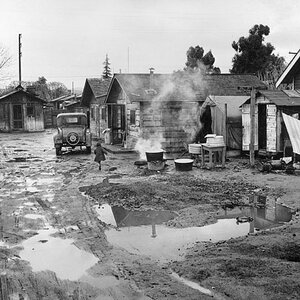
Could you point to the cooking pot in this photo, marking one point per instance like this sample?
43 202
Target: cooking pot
154 155
184 164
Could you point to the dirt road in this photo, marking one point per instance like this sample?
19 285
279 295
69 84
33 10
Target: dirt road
69 231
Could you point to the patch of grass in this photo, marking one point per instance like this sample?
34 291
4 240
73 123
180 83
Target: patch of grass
283 288
289 251
243 268
201 275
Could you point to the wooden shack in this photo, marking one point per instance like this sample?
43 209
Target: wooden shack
92 99
270 133
151 107
164 107
21 111
226 118
271 136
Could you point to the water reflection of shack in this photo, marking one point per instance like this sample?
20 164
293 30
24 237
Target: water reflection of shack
126 218
265 212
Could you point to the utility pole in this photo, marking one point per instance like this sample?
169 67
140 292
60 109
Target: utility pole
20 54
252 89
252 127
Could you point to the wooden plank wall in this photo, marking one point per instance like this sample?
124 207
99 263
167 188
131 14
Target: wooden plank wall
174 124
271 127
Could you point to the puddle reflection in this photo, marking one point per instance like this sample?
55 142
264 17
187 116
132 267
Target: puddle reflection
265 212
143 232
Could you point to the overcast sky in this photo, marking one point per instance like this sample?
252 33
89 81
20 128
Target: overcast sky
67 40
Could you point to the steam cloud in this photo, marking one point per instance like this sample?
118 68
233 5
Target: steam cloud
179 88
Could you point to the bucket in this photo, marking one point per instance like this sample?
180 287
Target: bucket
195 148
154 155
108 136
183 164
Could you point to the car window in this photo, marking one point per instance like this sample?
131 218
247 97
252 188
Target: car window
71 120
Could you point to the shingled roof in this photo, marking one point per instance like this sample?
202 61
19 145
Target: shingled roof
20 90
94 87
181 86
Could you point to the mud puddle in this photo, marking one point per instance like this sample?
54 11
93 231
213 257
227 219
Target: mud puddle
144 232
264 213
45 252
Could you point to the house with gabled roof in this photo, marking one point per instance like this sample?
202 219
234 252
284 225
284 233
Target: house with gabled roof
165 108
21 110
270 133
291 74
93 97
271 136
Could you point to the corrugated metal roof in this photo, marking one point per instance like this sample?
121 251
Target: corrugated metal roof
292 93
66 98
280 98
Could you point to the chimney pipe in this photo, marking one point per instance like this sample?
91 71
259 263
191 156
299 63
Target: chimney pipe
151 78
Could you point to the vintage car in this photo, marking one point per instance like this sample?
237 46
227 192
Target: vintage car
73 131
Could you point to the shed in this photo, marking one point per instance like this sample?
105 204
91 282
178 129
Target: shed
270 132
226 118
21 111
93 98
164 108
66 101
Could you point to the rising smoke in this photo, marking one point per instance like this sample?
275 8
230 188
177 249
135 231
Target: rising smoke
173 107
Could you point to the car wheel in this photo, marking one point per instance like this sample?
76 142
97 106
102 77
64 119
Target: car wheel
58 151
72 139
88 149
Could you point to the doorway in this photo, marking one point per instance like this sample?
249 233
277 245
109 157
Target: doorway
262 126
116 122
17 117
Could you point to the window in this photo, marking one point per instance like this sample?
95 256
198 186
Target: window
93 113
71 121
30 110
103 113
132 117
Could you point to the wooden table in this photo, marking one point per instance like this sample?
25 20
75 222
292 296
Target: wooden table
213 149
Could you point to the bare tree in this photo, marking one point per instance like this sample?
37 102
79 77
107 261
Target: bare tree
5 60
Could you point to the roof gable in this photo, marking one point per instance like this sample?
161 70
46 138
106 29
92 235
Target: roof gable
233 103
18 90
292 68
94 87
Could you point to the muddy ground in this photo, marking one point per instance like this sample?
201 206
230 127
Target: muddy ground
49 209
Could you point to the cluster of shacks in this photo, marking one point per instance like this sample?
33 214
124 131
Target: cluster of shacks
174 109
